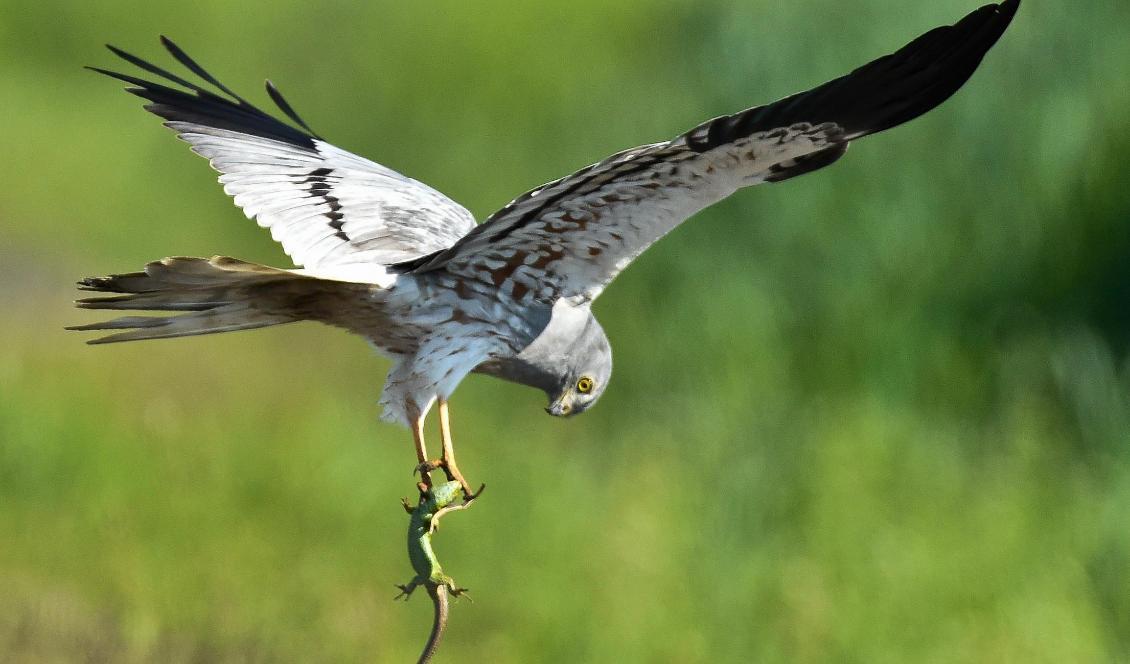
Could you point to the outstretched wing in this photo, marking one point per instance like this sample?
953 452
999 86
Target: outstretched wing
569 238
328 207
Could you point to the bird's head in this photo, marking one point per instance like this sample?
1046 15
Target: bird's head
571 361
586 372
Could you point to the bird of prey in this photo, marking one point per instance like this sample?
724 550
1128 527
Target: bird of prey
389 258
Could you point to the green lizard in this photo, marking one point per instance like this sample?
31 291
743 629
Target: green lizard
434 503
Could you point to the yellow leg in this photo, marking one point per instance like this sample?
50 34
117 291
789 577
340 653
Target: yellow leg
417 419
448 457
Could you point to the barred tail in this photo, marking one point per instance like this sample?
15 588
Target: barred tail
217 294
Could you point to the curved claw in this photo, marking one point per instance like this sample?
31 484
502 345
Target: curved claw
469 495
424 470
428 466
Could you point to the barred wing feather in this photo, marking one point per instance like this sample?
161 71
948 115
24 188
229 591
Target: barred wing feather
330 209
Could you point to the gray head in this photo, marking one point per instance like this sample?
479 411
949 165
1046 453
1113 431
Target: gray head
571 361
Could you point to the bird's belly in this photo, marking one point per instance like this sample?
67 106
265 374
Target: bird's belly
398 320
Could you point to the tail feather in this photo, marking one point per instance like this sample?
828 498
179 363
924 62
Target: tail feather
168 327
154 302
213 295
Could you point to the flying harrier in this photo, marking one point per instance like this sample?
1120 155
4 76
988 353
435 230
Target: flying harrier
408 269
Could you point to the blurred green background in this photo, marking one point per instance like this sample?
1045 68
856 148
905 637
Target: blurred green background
877 414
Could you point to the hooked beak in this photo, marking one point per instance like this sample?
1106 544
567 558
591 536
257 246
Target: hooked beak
561 406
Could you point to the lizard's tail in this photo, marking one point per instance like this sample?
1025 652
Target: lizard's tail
211 295
439 621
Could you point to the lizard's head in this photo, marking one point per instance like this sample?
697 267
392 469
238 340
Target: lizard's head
443 495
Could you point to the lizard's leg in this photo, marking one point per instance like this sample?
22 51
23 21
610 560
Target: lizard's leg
447 459
406 589
433 523
423 489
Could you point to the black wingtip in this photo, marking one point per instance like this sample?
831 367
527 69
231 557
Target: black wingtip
182 57
286 108
203 106
882 94
112 74
169 44
117 51
1008 9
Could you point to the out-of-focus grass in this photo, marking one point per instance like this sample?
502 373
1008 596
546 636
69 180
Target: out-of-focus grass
877 414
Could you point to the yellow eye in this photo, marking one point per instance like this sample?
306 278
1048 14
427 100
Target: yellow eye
584 385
